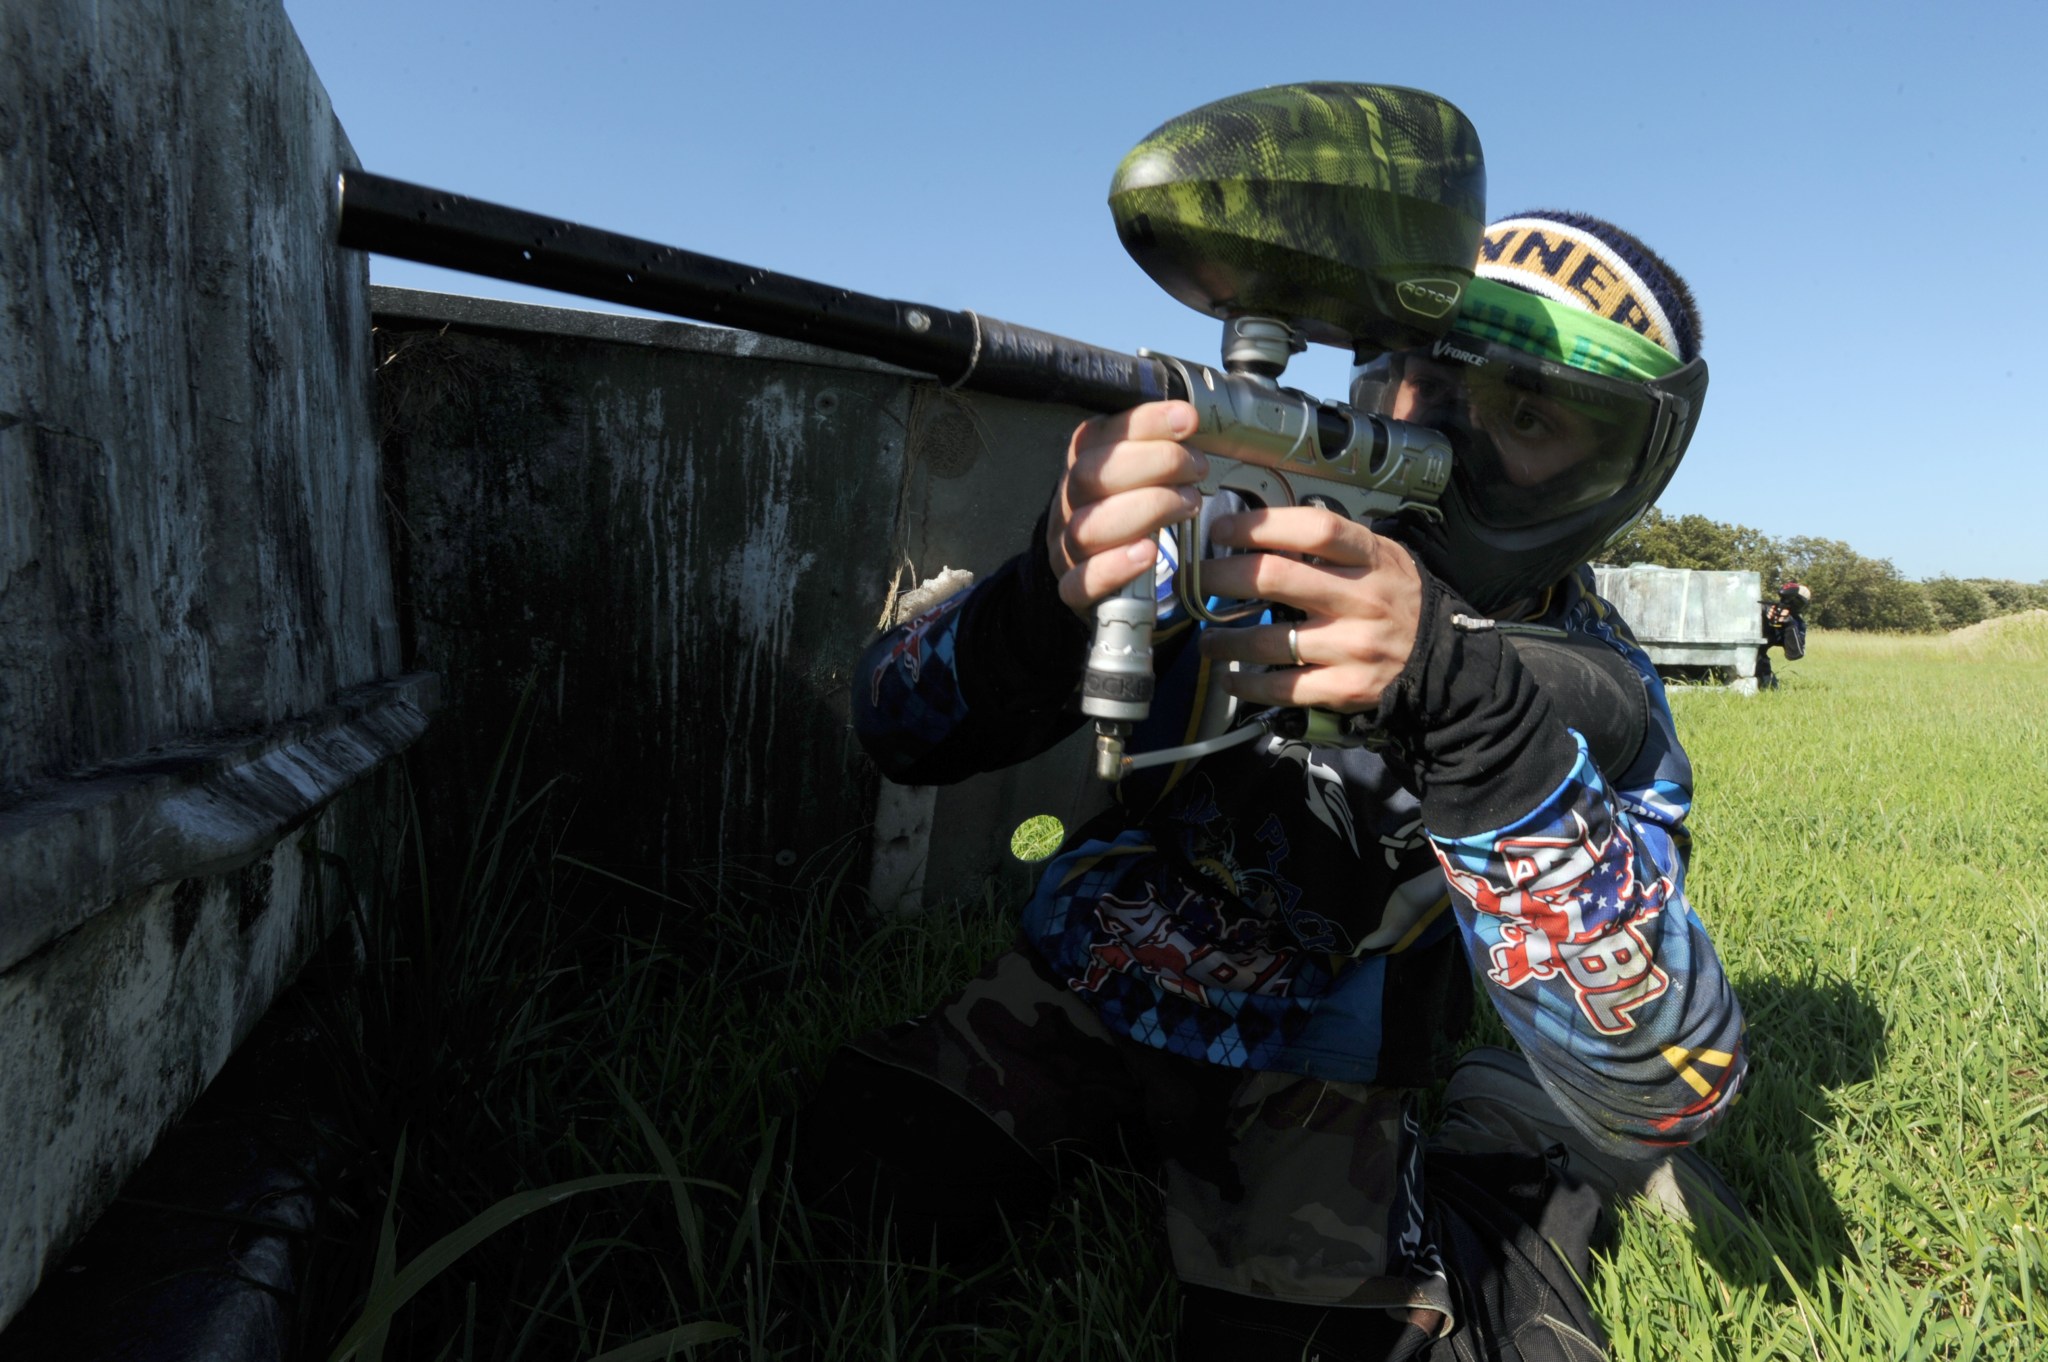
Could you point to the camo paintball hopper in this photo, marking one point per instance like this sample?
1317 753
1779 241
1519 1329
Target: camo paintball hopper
1353 212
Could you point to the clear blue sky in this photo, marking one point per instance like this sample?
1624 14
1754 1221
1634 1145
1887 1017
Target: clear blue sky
1853 189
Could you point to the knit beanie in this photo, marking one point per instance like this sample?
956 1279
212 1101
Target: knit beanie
1583 264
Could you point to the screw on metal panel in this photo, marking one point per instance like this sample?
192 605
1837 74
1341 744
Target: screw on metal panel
917 321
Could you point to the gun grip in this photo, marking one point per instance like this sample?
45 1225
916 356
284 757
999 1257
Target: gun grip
1116 688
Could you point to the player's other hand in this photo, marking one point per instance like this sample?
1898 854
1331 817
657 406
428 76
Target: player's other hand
1360 594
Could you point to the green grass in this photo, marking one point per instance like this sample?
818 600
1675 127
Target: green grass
607 1074
1867 844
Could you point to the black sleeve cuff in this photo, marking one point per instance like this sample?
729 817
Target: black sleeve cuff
1480 738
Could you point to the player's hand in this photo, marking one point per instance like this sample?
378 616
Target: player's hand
1127 477
1362 598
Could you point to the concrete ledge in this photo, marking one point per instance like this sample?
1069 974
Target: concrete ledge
68 849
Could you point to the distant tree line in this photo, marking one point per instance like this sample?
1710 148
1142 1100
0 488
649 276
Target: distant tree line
1850 591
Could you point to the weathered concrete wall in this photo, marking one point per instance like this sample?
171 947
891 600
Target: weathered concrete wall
112 1032
200 642
685 536
185 386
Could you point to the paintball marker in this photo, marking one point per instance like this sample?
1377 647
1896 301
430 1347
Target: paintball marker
1343 214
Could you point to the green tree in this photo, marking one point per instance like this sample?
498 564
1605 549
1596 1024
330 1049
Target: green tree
1851 591
1957 603
2009 597
1691 541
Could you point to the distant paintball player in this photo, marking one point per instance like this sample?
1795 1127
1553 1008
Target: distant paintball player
1245 972
1784 627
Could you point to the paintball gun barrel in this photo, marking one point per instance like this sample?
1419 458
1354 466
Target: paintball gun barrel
392 217
1347 214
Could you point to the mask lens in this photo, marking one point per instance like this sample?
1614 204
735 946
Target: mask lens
1530 440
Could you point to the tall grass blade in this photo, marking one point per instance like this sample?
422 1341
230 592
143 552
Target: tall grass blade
443 1252
679 1188
663 1346
387 1257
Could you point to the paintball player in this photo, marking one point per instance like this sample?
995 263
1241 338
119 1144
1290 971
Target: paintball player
1784 627
1246 970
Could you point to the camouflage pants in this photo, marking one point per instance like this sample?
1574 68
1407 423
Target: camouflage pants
1277 1186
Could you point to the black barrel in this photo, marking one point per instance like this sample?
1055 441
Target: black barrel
412 222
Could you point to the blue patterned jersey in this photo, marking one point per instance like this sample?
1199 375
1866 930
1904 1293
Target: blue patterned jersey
1280 906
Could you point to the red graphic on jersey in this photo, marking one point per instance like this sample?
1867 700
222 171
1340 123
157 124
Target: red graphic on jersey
1569 907
907 651
1146 936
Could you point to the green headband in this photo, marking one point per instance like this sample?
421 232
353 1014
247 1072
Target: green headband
1497 312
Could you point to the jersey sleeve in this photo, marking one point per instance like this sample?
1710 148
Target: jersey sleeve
1576 918
979 681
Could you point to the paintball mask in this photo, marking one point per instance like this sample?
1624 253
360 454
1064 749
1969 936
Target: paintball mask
1564 424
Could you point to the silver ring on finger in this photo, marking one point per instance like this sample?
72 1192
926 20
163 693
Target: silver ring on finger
1294 645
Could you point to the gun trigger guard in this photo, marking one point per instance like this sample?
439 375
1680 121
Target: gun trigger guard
1187 580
